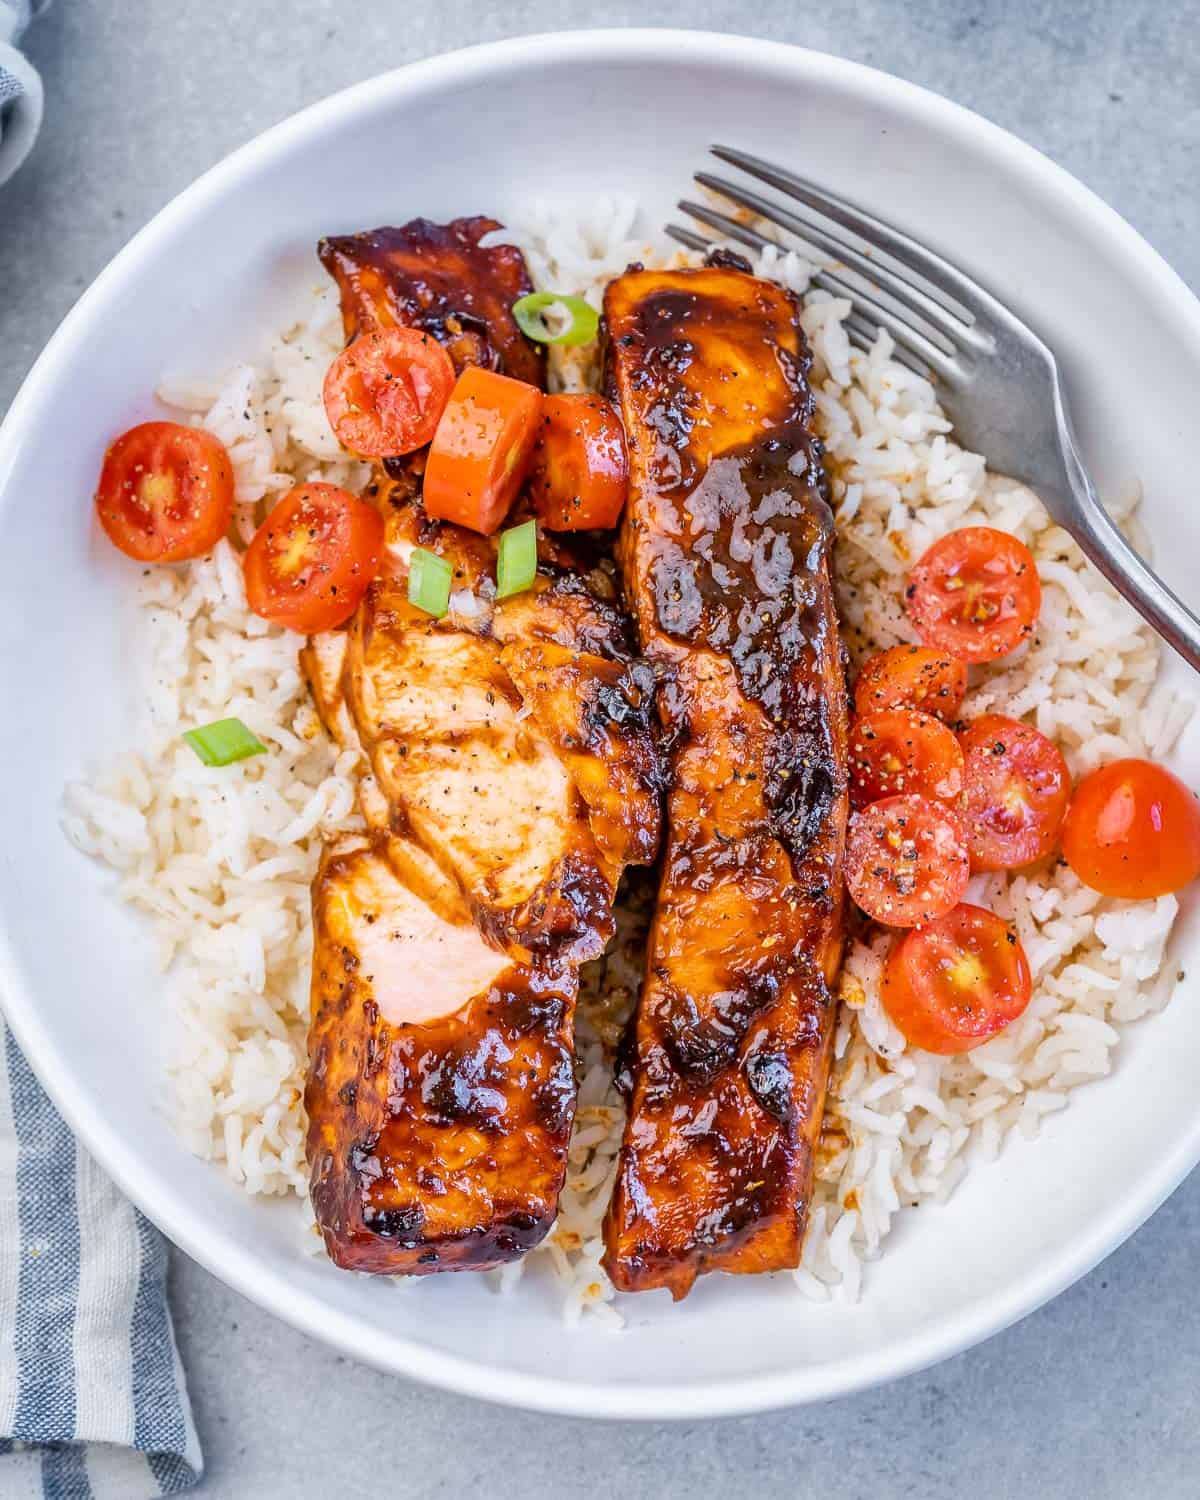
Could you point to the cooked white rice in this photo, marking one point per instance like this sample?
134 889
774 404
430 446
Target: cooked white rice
222 859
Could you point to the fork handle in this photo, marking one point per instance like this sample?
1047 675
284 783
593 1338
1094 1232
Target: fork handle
1102 543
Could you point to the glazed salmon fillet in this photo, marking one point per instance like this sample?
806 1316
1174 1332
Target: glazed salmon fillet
441 1087
436 277
510 777
725 553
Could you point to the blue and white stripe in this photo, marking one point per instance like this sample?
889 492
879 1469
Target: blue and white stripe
93 1402
20 86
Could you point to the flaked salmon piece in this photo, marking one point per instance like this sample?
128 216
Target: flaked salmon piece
725 553
322 660
409 931
469 776
516 778
585 722
567 655
441 1087
512 741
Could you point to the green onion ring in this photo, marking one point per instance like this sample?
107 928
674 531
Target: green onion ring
582 329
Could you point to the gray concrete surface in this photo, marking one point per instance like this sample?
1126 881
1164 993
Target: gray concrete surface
1094 1396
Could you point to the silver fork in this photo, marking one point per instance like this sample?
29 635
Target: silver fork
997 381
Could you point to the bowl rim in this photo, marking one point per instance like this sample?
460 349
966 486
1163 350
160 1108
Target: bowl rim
166 1205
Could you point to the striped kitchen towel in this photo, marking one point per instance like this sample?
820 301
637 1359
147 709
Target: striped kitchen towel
93 1401
20 86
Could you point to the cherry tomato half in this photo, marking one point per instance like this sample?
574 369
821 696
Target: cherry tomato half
975 594
1017 789
386 391
911 677
311 560
482 449
906 860
954 982
1133 830
902 750
166 492
580 474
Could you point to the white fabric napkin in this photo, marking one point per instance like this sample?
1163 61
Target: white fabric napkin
20 87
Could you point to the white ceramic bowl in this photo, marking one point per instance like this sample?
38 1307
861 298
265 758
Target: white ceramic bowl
481 131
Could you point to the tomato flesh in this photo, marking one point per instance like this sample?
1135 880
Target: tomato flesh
957 981
386 391
1017 789
165 492
902 750
1133 831
911 677
975 594
580 473
482 449
906 860
312 558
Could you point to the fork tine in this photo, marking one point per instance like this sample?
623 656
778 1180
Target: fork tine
908 338
688 237
830 282
914 350
725 225
957 294
874 309
864 343
863 334
891 283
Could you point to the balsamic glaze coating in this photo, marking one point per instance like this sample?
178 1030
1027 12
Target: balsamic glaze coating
436 277
514 775
726 561
433 1147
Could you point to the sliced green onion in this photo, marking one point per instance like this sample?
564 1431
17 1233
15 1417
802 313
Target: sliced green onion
222 743
516 562
582 329
429 582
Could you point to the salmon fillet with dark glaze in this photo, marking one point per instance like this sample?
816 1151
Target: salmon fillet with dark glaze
436 277
441 1086
725 552
513 776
